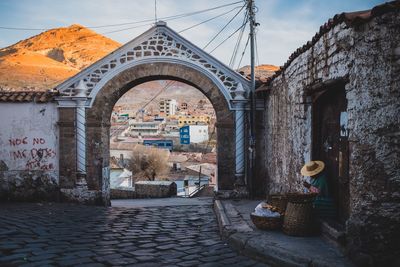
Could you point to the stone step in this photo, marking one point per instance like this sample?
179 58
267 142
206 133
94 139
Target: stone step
333 233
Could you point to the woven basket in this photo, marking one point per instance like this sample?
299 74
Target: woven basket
266 223
279 201
300 197
299 219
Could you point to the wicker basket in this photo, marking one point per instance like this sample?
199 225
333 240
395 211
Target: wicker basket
300 197
279 201
266 223
299 219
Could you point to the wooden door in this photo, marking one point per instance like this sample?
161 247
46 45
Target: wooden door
330 144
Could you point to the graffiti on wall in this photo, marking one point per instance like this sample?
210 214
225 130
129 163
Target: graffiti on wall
33 153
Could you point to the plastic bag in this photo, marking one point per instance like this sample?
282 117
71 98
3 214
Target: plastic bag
260 211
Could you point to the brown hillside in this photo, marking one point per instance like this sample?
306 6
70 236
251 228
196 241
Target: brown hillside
262 72
44 60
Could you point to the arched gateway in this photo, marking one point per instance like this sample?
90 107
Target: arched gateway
86 101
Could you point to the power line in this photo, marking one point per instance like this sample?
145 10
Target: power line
155 11
169 19
226 39
159 93
205 21
182 15
257 56
238 42
223 28
244 51
23 29
145 105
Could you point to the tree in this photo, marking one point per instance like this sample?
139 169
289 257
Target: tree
147 163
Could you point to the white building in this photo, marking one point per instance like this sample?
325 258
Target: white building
168 106
139 128
197 133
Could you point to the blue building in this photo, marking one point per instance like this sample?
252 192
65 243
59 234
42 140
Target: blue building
159 143
184 133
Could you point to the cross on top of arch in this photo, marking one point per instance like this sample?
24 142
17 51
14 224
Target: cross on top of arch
160 43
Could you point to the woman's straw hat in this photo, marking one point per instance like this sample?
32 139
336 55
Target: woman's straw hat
312 168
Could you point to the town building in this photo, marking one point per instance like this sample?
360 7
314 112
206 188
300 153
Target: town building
144 128
168 107
183 106
194 134
193 120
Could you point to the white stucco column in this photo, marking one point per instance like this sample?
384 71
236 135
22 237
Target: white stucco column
80 99
81 139
239 147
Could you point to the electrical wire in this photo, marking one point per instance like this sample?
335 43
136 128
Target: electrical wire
23 29
145 105
238 42
169 19
182 15
205 21
156 95
226 39
244 51
223 28
257 56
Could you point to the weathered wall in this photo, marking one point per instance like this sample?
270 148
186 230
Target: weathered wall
28 151
369 55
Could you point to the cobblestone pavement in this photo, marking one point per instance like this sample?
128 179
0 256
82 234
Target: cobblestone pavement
76 235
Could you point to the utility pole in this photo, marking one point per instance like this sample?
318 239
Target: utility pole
253 24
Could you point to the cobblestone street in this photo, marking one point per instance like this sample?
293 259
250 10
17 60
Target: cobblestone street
77 235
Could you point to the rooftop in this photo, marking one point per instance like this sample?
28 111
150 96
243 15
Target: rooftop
27 96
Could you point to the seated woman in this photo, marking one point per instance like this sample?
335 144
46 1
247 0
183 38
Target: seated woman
323 203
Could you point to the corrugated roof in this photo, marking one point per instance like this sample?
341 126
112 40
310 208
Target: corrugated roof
350 18
27 96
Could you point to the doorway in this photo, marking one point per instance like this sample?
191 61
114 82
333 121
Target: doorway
330 144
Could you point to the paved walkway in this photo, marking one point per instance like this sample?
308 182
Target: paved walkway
132 234
272 247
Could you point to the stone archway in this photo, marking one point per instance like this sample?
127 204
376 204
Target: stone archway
87 99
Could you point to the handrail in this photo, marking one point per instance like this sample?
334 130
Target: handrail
197 190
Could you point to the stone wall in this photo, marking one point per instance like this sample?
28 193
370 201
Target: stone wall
29 151
122 193
155 189
367 56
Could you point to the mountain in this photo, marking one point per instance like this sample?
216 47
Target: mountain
262 71
44 60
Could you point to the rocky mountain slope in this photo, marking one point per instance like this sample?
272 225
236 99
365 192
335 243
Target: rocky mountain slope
44 60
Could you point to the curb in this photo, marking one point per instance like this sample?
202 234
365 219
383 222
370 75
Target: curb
248 243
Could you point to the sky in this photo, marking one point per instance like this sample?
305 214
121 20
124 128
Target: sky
284 26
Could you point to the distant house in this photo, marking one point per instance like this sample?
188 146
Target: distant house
193 134
119 176
168 106
159 143
140 128
193 120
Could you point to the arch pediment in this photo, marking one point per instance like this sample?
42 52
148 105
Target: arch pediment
159 44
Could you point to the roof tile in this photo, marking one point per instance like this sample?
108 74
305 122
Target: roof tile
31 96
